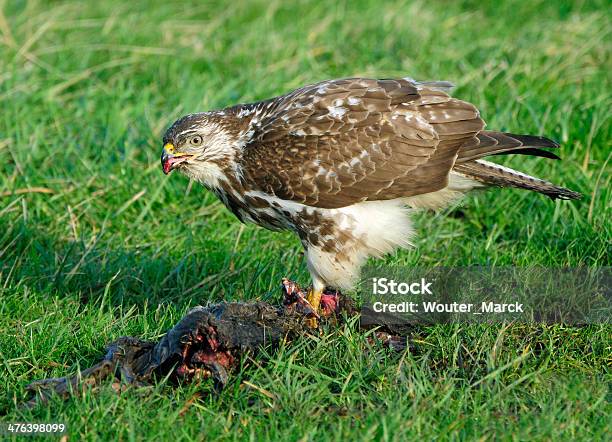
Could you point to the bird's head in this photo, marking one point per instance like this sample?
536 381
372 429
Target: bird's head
199 145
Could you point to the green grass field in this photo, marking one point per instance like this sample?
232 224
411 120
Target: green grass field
95 242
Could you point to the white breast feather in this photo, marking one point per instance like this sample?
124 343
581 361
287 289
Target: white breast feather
379 227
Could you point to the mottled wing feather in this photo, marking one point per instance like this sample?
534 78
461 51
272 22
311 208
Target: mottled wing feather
340 142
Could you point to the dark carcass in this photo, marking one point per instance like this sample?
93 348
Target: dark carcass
206 343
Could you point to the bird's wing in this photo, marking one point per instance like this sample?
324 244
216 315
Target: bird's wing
340 142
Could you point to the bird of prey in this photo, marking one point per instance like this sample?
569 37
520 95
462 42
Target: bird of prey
342 163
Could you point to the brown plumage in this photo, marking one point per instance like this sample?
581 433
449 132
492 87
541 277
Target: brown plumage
336 162
353 140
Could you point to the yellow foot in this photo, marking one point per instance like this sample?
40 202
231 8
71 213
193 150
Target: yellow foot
314 299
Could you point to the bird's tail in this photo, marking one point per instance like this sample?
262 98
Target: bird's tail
496 175
500 143
486 143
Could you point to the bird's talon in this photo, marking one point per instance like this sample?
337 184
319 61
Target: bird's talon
294 298
314 305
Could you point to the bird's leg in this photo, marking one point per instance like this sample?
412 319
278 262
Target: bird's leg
314 299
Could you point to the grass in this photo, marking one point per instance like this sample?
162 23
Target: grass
96 243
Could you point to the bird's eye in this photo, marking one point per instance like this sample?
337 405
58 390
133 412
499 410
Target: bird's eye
196 140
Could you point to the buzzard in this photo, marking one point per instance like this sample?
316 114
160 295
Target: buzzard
343 162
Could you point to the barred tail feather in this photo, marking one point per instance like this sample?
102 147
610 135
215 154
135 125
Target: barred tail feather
497 175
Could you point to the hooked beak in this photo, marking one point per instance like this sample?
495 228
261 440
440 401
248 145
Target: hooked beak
170 159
